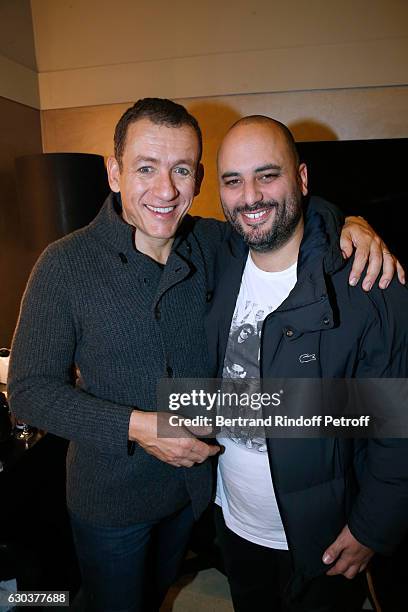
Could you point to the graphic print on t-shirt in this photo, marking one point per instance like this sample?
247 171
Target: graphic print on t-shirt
242 360
260 294
242 355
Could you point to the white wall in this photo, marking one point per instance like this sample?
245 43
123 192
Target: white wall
102 52
18 83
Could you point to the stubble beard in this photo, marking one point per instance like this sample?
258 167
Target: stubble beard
288 213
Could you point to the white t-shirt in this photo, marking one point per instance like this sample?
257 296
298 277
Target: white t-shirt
244 483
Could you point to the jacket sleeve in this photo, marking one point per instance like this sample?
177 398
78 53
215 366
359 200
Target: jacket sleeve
41 387
379 517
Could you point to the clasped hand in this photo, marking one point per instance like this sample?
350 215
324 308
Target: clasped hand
182 451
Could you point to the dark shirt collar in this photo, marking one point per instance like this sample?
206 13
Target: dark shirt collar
111 228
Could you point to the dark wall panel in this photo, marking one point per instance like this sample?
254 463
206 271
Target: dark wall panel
58 193
364 177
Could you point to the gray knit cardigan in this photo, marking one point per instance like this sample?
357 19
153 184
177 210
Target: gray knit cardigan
95 302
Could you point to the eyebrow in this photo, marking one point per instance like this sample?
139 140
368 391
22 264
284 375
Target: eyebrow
268 167
141 158
229 174
153 160
260 169
187 162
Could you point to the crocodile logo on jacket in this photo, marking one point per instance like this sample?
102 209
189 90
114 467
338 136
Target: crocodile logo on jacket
306 357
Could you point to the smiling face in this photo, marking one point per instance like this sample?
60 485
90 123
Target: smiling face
261 183
157 180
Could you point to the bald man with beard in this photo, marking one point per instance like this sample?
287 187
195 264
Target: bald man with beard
297 521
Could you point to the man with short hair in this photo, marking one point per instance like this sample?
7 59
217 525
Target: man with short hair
123 301
290 508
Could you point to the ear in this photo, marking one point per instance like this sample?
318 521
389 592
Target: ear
302 177
113 170
199 179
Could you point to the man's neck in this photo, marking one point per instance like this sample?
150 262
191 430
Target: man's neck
282 258
157 249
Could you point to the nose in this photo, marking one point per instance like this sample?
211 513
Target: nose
164 187
252 193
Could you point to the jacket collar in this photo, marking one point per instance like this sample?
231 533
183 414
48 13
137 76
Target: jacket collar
113 230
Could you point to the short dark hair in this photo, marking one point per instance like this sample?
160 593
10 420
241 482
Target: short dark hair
161 112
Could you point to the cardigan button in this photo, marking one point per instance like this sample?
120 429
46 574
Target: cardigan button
157 313
326 321
289 333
